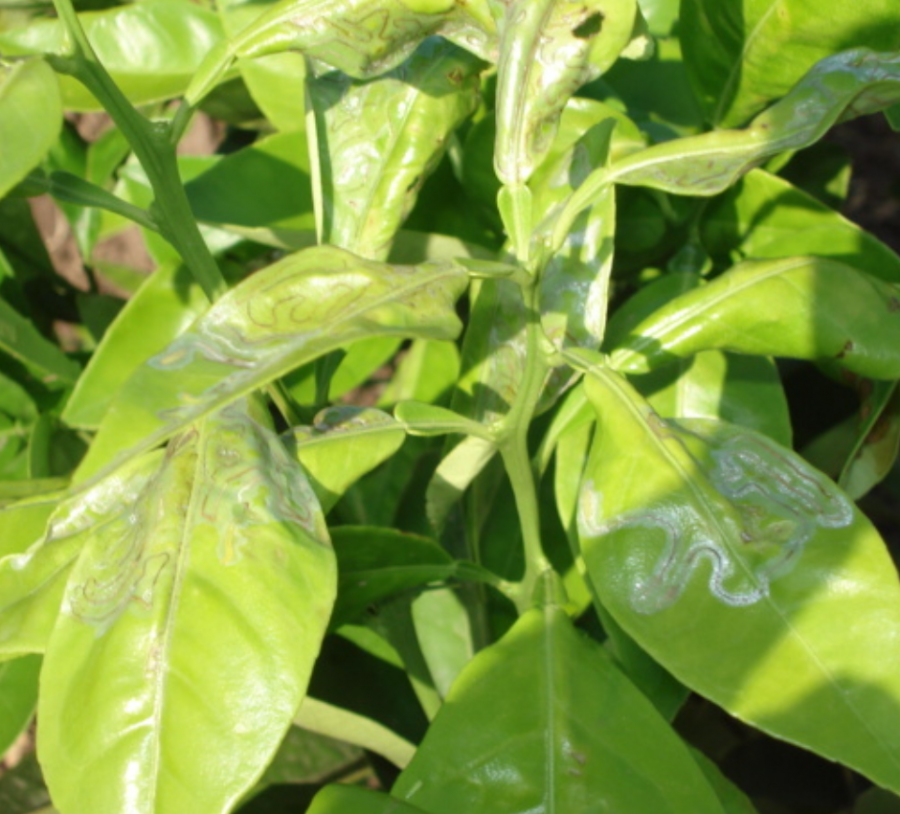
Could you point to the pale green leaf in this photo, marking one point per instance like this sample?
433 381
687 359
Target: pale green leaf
290 313
223 559
802 307
151 49
30 118
342 445
377 141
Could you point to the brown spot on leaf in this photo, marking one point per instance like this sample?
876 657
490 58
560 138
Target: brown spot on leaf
848 348
893 305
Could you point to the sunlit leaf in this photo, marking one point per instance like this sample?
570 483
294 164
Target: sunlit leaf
567 732
152 48
702 531
802 307
222 559
289 313
377 141
741 54
30 118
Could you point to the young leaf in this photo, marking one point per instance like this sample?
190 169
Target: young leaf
151 49
568 732
30 118
741 54
549 48
378 140
222 559
165 305
801 307
290 313
702 531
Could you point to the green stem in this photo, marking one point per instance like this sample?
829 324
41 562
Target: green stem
154 147
513 445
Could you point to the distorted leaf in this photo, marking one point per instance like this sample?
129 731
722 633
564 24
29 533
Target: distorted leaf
223 558
698 530
165 305
277 319
801 307
378 140
548 49
743 54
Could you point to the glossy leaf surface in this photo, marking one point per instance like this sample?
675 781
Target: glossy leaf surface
290 313
765 216
344 444
151 49
222 559
30 118
165 305
377 141
354 36
549 48
702 531
838 88
804 308
742 54
568 733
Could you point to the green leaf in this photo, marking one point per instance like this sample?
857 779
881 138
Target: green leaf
877 440
151 49
375 564
444 632
426 372
263 186
567 732
329 720
18 697
744 390
838 88
742 54
733 800
354 800
352 35
548 50
764 216
802 307
164 306
455 474
33 577
342 445
290 313
377 141
30 118
699 531
21 340
426 420
222 560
